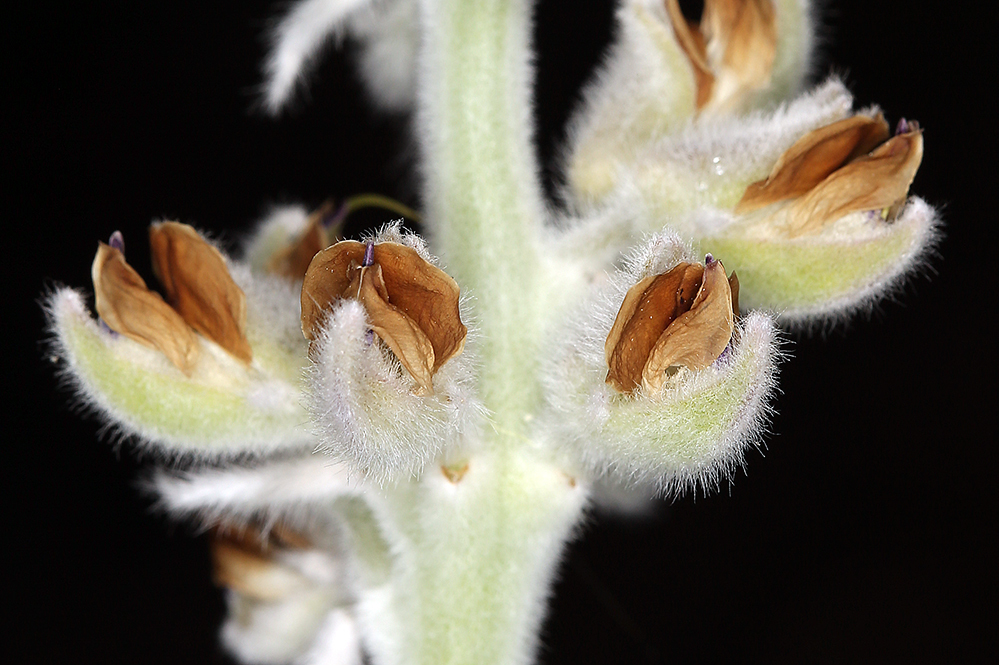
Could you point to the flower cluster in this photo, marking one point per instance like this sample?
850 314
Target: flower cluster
391 448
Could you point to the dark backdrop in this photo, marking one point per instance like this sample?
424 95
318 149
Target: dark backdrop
866 532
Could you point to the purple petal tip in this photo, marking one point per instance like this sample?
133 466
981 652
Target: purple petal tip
117 240
369 254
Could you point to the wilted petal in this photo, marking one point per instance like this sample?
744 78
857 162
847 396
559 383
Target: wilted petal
697 337
244 562
813 158
878 181
731 50
741 37
128 307
649 308
399 332
292 261
199 286
404 284
691 40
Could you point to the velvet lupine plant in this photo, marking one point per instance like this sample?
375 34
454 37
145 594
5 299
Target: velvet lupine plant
391 439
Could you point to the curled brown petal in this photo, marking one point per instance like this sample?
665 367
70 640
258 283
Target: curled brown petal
293 260
733 286
406 284
689 36
399 332
244 561
813 158
731 50
876 181
129 308
698 336
198 285
741 37
649 308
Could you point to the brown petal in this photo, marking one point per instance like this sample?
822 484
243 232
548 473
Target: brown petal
696 338
731 50
129 308
733 286
649 307
399 332
244 561
326 281
689 36
741 37
293 260
874 182
199 286
813 158
426 294
409 286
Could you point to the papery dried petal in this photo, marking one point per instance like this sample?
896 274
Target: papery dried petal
689 36
243 561
733 286
405 284
731 50
649 307
426 294
199 286
125 304
399 332
697 337
813 158
292 261
741 38
877 181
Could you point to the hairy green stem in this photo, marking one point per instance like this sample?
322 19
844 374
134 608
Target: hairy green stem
484 204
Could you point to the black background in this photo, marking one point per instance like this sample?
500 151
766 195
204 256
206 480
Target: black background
866 532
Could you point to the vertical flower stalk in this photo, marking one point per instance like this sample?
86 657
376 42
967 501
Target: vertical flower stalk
408 443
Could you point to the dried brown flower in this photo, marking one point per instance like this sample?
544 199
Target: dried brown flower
244 561
851 165
129 308
292 261
198 285
682 318
412 305
731 50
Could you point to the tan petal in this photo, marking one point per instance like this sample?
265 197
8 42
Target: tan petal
697 337
689 36
741 39
293 260
199 286
733 286
420 290
649 307
427 295
399 332
129 308
813 158
876 181
327 280
243 561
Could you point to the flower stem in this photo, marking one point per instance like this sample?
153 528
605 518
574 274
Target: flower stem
483 199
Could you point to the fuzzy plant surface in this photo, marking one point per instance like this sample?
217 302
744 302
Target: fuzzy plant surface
393 438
